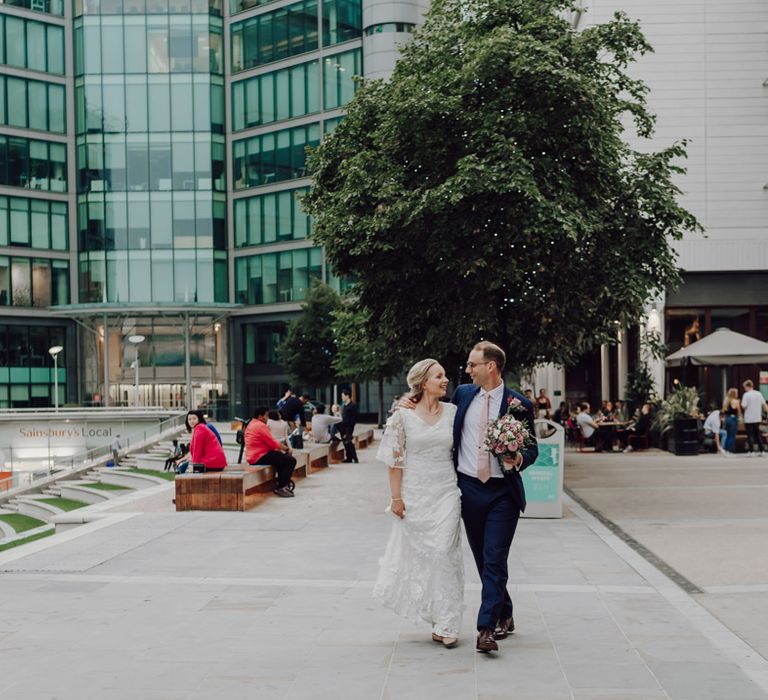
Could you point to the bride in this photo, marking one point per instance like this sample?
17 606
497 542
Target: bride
422 571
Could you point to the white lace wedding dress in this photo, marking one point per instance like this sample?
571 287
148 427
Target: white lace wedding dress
422 572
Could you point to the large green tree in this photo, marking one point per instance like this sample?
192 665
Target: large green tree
487 189
309 346
361 356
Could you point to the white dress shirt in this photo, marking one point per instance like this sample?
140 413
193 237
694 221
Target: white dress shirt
471 429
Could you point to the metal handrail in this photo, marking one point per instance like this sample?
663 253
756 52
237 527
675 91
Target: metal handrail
83 458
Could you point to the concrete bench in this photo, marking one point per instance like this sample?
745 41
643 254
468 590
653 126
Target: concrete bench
363 438
336 456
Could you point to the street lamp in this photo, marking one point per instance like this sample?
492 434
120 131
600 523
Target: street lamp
54 353
136 339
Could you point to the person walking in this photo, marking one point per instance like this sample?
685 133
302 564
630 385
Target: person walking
262 448
349 415
753 405
421 575
492 494
732 412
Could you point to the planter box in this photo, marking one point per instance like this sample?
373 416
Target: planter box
685 436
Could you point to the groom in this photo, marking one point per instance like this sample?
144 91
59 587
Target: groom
492 496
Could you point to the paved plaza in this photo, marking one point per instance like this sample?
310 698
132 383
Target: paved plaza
276 603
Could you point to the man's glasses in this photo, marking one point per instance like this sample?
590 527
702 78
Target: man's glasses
472 365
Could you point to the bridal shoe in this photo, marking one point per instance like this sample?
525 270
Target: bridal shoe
447 642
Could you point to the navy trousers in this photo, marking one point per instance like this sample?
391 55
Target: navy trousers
490 517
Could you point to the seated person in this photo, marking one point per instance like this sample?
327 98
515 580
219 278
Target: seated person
713 428
277 426
589 428
204 448
262 448
562 414
322 424
641 426
173 455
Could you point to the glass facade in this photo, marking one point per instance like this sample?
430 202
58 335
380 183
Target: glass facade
260 341
284 94
52 7
339 72
32 104
150 152
277 277
25 43
33 223
271 217
36 165
26 374
273 157
153 148
40 282
140 7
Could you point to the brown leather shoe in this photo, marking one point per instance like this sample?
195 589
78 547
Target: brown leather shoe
485 641
504 628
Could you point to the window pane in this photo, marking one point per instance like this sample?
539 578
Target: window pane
56 109
36 46
15 46
17 102
21 282
55 36
41 282
39 221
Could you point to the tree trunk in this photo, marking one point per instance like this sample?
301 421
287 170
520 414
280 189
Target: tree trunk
381 402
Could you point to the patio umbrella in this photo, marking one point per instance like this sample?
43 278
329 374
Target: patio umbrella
721 349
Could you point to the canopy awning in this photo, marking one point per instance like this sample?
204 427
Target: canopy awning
723 347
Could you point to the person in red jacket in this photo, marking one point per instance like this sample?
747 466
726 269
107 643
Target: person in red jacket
204 448
262 448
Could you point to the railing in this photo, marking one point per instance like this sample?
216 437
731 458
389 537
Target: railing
16 480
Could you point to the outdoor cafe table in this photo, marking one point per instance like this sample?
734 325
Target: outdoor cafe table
608 429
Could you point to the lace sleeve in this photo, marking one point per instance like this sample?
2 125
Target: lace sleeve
392 447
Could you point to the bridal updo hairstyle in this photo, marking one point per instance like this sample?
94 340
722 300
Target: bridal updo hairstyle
417 376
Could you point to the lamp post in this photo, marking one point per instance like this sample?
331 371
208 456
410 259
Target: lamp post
54 353
136 340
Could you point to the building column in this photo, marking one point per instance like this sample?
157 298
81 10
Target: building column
623 368
605 372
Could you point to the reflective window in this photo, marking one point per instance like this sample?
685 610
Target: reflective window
273 157
26 370
148 44
140 7
33 281
276 277
260 341
29 44
290 92
35 223
269 218
342 21
33 164
32 104
339 72
275 35
52 7
390 27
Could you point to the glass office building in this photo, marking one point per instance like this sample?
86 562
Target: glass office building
151 154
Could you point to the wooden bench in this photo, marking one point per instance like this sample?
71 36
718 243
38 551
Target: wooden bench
238 487
317 457
363 438
335 456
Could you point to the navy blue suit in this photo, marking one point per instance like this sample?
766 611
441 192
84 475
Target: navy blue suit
491 510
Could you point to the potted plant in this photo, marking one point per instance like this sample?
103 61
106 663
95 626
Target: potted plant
678 413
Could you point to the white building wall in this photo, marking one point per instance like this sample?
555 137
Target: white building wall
706 78
381 50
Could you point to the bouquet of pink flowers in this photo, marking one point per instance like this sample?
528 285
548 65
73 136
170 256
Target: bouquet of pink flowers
509 434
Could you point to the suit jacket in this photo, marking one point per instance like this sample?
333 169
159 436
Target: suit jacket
349 415
462 397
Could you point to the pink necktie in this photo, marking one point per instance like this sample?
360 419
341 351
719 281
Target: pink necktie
484 457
